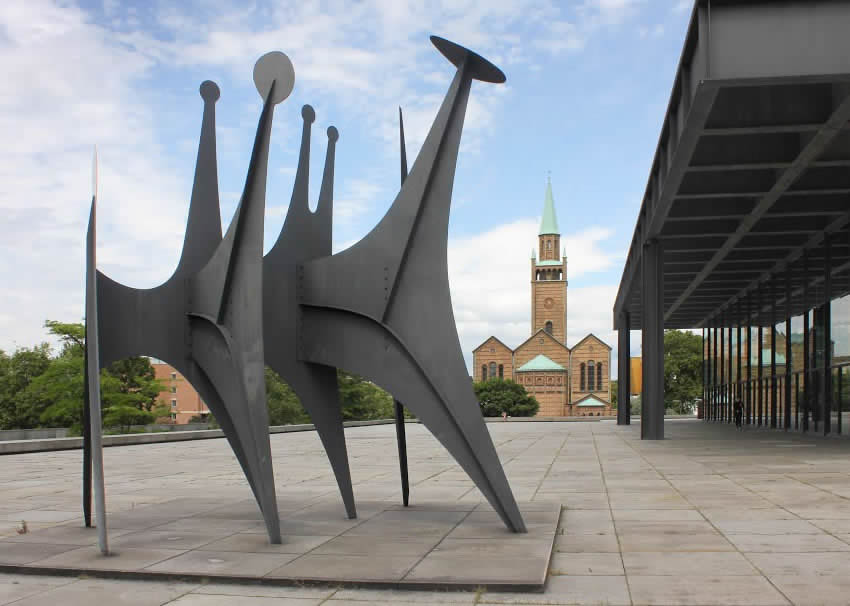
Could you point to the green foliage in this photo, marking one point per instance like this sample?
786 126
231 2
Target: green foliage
39 390
614 393
362 400
284 406
503 395
17 372
682 370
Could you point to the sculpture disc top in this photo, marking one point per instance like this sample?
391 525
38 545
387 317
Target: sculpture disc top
274 67
480 68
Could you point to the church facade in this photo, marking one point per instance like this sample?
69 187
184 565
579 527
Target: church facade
567 381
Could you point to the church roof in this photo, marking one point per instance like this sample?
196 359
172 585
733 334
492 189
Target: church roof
591 400
549 223
540 363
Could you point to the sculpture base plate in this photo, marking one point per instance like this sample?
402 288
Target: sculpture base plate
423 547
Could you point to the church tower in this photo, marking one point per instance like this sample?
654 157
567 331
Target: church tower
549 275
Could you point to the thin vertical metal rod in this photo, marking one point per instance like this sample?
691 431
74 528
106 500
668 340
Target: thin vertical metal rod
402 452
86 445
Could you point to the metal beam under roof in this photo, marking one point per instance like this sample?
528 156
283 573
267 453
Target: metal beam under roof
751 175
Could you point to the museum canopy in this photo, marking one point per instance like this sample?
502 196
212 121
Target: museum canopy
744 221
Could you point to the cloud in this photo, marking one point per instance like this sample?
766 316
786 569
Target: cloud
490 278
682 6
74 86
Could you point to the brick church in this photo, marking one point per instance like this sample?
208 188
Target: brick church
567 381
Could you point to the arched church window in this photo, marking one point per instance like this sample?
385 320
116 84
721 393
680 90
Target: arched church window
501 371
483 372
590 376
548 244
548 327
492 370
581 378
599 376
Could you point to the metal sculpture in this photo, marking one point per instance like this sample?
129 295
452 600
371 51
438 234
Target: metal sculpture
380 308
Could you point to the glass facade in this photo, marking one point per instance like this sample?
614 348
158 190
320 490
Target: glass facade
788 373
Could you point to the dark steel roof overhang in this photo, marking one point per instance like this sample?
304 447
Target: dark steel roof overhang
751 177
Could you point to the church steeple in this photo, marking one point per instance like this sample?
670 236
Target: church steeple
549 275
549 237
549 223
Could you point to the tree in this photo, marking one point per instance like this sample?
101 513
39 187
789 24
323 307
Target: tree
682 370
362 400
614 394
284 406
503 395
17 372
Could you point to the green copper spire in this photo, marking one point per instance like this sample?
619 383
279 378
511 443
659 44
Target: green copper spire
549 223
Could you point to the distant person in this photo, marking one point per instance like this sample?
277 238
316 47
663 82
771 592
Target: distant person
739 414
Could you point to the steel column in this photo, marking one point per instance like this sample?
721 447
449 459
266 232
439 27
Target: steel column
827 336
760 367
624 370
722 370
807 387
773 412
788 312
730 392
749 403
652 293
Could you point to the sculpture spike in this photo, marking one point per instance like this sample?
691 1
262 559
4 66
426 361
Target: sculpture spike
203 226
92 365
403 146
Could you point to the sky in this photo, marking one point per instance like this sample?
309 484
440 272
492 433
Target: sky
588 83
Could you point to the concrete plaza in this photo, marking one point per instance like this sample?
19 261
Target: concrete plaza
707 516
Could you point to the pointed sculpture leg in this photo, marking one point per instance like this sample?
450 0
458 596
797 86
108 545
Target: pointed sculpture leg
305 235
389 293
206 320
93 380
400 433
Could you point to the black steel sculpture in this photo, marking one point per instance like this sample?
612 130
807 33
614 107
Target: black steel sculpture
381 308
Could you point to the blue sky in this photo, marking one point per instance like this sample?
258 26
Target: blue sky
587 86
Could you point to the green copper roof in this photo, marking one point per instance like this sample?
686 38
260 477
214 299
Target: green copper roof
549 223
590 401
541 362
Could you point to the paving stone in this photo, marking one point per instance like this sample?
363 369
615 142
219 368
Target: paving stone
195 599
347 567
586 564
229 563
265 591
814 590
702 589
85 558
259 543
788 543
90 592
595 590
686 563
